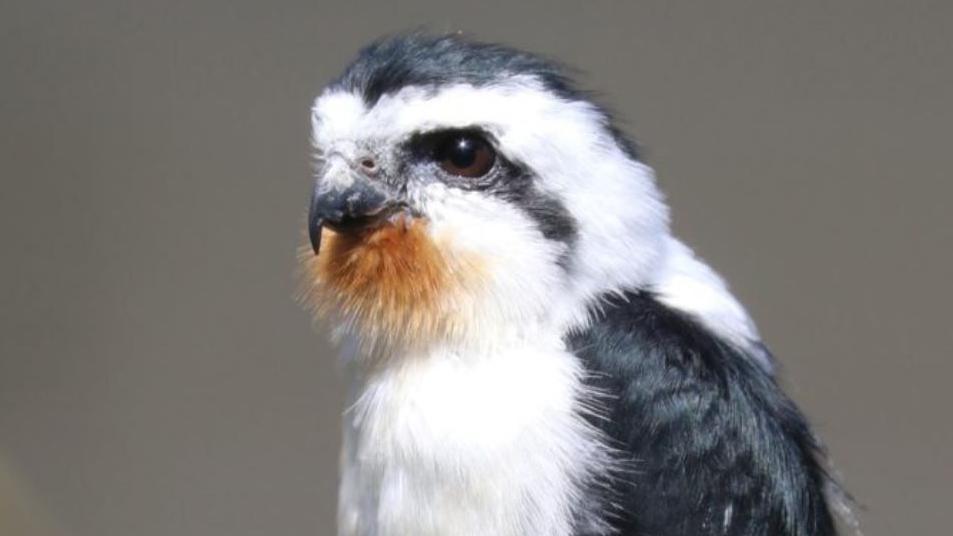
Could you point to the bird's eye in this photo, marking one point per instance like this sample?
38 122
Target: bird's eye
465 154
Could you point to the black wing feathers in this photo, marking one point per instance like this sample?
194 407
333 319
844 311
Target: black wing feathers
714 445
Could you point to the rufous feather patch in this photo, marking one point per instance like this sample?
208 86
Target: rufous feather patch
392 284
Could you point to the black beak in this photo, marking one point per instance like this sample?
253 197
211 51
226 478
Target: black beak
357 206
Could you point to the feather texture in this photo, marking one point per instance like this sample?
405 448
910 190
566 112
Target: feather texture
713 445
532 351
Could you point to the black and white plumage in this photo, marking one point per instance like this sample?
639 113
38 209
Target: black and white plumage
532 352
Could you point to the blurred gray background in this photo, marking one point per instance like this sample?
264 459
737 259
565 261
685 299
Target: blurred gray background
156 376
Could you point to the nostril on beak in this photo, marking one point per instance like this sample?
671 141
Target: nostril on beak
368 165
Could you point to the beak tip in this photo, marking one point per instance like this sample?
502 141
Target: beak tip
314 233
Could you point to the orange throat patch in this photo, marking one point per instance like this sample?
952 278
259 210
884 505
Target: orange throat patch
390 285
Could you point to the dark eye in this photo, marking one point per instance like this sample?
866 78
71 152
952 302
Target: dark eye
465 154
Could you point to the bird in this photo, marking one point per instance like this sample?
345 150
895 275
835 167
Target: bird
528 349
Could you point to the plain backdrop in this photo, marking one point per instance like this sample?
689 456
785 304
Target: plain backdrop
156 376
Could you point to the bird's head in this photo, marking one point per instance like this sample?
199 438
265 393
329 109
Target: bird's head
466 189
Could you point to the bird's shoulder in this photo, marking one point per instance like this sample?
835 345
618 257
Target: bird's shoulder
708 442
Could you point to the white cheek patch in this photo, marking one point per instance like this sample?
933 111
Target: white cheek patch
520 272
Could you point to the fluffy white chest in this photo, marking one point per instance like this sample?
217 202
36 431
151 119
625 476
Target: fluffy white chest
459 444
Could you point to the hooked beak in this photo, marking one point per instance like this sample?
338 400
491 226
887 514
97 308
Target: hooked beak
357 206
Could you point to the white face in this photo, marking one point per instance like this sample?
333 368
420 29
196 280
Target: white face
560 213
